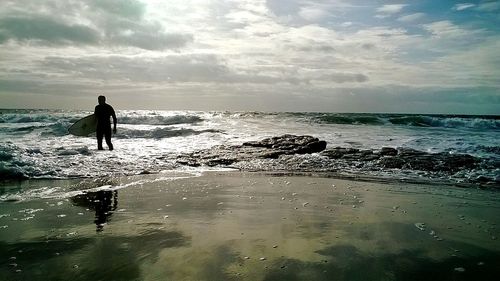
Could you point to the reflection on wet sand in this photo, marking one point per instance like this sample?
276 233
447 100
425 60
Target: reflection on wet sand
346 262
256 227
103 202
85 258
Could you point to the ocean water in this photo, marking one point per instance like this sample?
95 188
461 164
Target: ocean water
36 144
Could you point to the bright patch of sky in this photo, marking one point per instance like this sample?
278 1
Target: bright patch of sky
272 55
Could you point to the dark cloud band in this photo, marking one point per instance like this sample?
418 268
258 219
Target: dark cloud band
110 23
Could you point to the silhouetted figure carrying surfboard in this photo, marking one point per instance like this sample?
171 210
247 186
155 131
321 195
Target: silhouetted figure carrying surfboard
103 112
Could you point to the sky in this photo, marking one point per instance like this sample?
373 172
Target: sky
423 56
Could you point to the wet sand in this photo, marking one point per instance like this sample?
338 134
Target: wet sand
246 226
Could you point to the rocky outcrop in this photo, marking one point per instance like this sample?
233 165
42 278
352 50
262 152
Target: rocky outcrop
405 158
269 148
278 153
290 144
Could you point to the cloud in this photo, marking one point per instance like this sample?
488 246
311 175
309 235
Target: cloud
477 65
313 48
391 9
181 69
489 6
304 12
124 8
43 28
446 28
411 17
346 77
149 39
139 72
463 6
283 7
166 69
90 22
313 14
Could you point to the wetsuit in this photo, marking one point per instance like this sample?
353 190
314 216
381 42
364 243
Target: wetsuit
103 112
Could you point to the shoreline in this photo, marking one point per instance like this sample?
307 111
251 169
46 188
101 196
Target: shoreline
250 226
277 173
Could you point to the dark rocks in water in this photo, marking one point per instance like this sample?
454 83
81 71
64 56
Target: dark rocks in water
453 162
405 158
352 154
392 162
220 162
339 152
409 152
281 151
291 143
269 148
389 151
435 162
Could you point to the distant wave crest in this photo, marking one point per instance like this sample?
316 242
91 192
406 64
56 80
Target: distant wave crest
445 121
32 118
159 133
159 119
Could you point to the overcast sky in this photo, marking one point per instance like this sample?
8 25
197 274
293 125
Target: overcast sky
423 56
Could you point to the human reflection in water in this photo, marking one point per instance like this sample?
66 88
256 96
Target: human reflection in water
106 203
103 202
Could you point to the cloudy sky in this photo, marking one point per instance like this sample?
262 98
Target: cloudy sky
423 56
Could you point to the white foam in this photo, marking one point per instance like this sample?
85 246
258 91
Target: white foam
62 193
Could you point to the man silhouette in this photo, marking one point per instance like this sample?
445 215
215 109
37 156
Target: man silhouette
102 112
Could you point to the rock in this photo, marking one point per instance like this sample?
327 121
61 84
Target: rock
388 151
370 157
312 147
412 159
269 148
422 162
339 152
392 162
220 162
453 162
277 152
304 144
409 152
271 155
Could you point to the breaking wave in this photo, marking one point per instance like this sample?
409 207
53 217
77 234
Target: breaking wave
445 121
160 133
159 119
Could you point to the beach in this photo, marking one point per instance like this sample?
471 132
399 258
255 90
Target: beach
227 225
270 140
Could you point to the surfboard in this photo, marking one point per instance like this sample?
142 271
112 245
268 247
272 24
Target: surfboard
84 126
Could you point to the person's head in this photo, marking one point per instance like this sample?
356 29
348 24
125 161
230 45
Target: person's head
101 99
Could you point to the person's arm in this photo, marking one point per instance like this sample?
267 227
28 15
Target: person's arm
113 115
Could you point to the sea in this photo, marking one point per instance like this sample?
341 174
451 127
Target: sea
35 143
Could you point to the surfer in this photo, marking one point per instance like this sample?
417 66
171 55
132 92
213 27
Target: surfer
103 112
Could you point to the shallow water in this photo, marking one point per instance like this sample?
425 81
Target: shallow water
36 143
234 226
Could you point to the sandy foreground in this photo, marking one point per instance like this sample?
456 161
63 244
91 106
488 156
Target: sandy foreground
247 226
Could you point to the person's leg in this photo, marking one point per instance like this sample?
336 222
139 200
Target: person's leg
107 136
99 134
